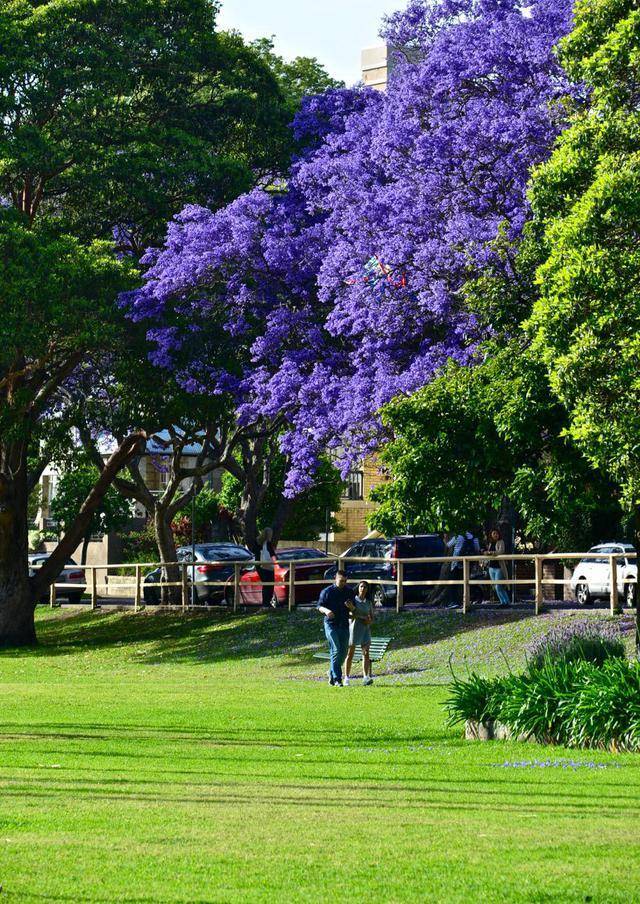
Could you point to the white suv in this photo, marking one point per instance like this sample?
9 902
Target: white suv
592 577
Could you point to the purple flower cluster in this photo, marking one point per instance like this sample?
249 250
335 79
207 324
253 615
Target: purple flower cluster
324 299
587 639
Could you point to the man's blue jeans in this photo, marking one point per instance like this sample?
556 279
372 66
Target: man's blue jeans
501 589
338 644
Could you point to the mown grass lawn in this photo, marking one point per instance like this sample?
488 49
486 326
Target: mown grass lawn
154 758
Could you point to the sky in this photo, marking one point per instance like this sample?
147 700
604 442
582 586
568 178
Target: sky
334 31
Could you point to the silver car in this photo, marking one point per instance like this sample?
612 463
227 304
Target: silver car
592 577
72 577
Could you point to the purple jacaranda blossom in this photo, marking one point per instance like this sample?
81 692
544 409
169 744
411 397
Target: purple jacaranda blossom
324 298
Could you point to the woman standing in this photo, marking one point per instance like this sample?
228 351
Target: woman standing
497 571
360 632
265 554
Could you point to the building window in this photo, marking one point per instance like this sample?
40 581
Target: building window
354 486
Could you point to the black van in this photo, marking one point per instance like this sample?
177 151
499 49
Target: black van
418 546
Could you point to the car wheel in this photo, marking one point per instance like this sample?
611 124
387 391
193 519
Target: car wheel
583 594
379 598
228 597
629 595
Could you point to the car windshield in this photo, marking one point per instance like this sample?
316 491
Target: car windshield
288 555
224 553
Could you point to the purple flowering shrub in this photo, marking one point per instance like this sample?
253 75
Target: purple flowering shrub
579 641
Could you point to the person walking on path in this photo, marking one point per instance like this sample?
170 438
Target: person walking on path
360 633
460 545
497 570
265 553
335 603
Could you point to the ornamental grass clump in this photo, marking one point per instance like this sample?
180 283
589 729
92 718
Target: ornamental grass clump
583 641
570 702
477 699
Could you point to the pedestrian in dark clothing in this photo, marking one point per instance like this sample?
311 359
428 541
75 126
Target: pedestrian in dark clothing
460 545
335 603
264 554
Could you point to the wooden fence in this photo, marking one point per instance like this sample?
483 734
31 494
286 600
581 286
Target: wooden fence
231 589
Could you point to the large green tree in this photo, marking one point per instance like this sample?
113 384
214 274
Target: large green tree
56 298
115 114
586 323
478 436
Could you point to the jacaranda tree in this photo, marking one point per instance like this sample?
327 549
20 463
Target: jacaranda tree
343 288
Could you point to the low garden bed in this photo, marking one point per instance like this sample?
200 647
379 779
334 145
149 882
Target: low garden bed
578 690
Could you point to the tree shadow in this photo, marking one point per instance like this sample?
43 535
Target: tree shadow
220 636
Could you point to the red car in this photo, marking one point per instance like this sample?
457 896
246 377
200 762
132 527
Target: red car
311 565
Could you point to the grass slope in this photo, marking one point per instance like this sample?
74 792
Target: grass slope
156 758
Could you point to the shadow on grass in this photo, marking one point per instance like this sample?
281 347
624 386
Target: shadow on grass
220 636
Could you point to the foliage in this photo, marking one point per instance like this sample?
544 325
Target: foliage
307 514
75 484
476 698
57 306
586 641
140 545
342 290
115 114
573 702
297 78
477 434
586 324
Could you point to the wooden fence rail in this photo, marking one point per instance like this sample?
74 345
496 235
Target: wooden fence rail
231 588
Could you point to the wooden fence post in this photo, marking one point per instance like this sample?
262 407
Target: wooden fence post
236 585
538 566
136 599
400 587
613 566
52 595
185 588
292 586
466 589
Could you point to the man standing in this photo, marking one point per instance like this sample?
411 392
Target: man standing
460 545
335 603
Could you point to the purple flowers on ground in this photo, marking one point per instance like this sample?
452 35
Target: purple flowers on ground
555 764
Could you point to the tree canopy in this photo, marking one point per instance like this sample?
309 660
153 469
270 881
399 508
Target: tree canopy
586 324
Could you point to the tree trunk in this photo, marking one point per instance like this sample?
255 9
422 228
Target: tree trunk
636 543
17 628
85 548
167 550
248 517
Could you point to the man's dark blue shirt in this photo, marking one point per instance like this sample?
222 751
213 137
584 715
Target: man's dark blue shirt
335 598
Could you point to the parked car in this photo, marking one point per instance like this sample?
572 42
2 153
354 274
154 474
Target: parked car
416 546
592 577
306 570
72 577
204 569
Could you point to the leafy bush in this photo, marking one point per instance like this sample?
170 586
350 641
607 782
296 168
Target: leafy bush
477 699
570 702
578 641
